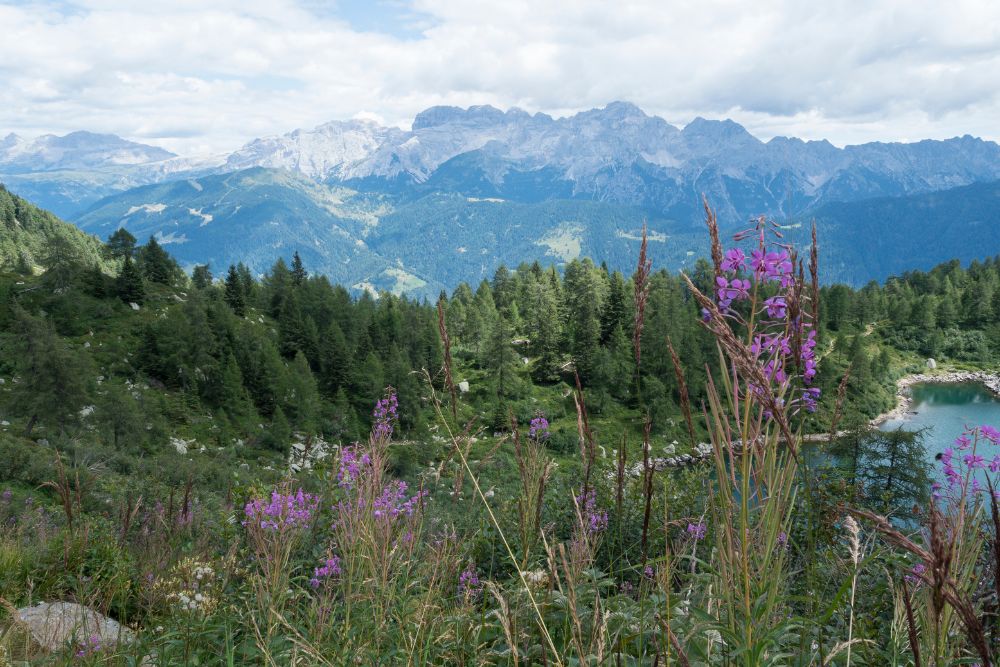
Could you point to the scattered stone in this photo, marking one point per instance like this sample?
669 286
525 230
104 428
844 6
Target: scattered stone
54 625
181 445
133 305
931 364
87 344
463 386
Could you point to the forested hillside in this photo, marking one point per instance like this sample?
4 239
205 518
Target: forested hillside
141 407
296 352
31 237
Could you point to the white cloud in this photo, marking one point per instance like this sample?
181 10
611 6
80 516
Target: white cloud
195 76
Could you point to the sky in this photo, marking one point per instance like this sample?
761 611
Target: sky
205 76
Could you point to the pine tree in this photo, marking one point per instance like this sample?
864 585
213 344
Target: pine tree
201 276
545 332
298 271
500 361
61 261
248 282
279 433
119 416
234 294
296 332
52 388
584 326
129 284
615 311
503 290
302 400
120 245
335 360
157 265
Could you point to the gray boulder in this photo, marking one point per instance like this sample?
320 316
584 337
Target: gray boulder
53 625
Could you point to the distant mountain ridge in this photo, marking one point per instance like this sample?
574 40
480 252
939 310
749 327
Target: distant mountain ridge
77 150
616 154
464 189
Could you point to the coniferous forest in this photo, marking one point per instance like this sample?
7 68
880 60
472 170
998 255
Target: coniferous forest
556 466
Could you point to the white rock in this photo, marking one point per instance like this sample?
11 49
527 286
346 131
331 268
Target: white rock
133 305
931 364
53 625
463 386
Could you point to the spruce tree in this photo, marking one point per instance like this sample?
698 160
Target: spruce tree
335 360
129 284
119 416
298 271
120 245
201 276
53 387
234 294
302 400
157 265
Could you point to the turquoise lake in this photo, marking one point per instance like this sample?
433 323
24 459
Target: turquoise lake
944 410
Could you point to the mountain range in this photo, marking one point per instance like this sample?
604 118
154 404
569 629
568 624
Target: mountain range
465 189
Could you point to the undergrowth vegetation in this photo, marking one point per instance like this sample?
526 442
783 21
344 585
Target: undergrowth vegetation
537 521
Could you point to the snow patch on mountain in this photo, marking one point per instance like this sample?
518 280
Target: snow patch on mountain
148 208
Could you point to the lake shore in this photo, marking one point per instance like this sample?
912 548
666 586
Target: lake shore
904 400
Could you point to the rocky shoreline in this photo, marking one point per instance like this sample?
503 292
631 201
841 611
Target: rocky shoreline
904 400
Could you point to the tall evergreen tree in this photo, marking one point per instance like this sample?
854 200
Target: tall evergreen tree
234 292
157 265
121 244
129 284
201 276
298 271
53 388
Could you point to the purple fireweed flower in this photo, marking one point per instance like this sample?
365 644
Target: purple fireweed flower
735 260
963 442
973 460
7 495
394 502
330 568
648 572
706 316
385 413
990 433
775 372
539 428
734 290
810 398
782 538
468 582
697 530
594 519
294 510
776 307
351 466
772 266
915 577
90 646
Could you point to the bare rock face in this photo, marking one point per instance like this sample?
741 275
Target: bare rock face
55 624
